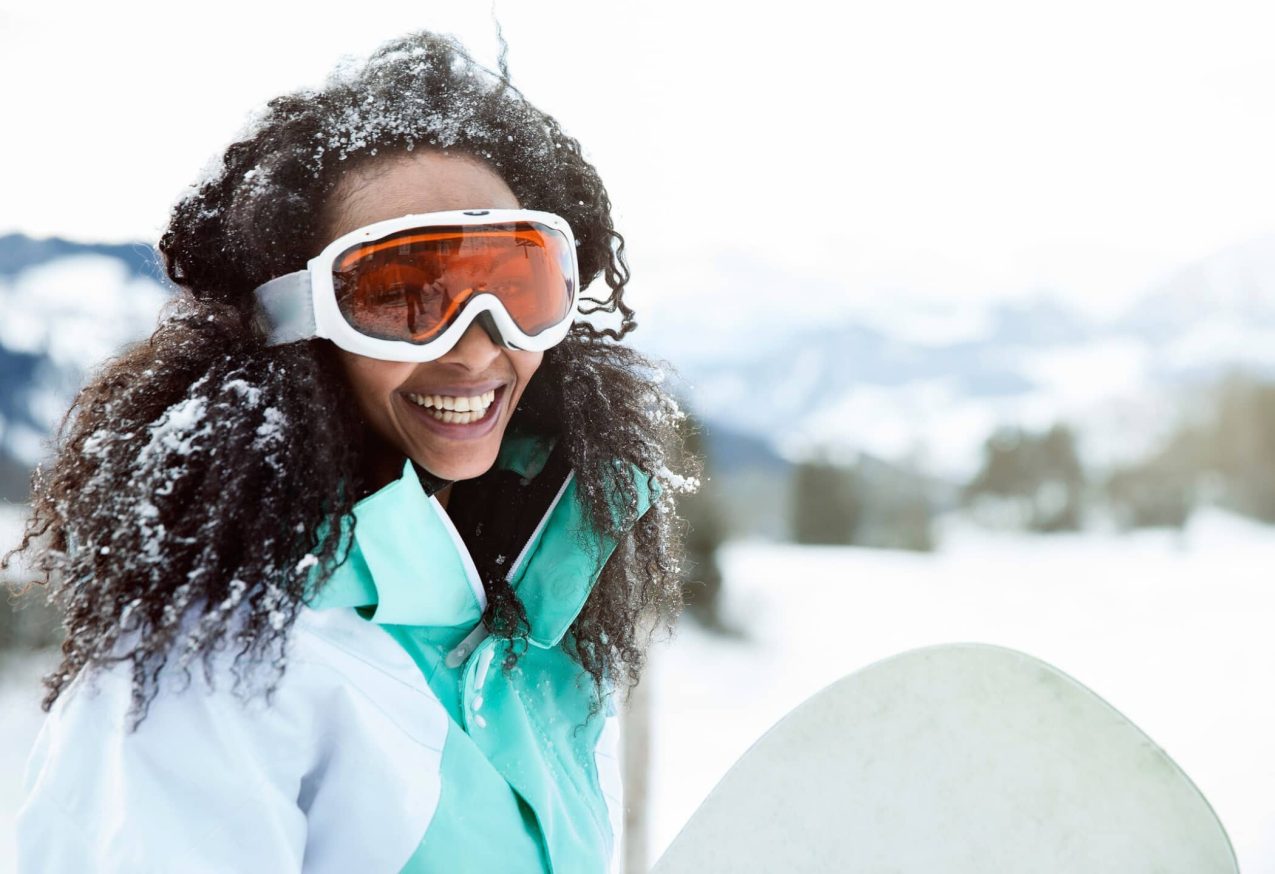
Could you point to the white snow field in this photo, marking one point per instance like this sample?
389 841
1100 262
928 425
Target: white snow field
1173 631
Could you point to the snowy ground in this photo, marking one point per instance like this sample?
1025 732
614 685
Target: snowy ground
1175 632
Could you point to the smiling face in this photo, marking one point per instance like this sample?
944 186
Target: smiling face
402 401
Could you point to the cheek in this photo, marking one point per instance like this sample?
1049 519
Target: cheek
525 366
371 380
528 364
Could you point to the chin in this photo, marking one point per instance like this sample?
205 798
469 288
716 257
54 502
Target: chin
456 471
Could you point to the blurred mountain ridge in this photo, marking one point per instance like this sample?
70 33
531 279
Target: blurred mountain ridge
18 252
855 382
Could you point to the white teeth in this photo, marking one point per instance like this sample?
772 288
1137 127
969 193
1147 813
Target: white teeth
454 410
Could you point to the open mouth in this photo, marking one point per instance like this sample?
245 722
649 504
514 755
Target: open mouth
458 414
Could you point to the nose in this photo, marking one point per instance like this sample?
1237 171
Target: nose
475 350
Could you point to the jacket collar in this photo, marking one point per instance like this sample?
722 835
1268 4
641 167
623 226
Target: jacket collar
408 564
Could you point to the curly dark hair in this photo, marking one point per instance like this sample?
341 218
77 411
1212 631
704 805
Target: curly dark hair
199 467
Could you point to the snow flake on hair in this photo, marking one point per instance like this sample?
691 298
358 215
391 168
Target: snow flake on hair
412 118
251 394
350 68
176 434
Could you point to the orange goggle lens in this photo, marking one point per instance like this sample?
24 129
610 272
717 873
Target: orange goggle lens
412 285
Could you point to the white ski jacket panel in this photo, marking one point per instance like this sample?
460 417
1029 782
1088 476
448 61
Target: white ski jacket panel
337 774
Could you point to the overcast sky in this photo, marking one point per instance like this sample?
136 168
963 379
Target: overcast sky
957 149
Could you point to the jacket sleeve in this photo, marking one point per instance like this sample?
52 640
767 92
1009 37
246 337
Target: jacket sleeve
609 762
205 784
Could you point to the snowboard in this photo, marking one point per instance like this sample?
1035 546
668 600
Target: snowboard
958 758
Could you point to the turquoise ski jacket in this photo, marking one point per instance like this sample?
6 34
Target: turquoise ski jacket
397 741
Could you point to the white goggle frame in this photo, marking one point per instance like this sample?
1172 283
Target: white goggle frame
302 305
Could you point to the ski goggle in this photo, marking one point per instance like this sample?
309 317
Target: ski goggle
407 288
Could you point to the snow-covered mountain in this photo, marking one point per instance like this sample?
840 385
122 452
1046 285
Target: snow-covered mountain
910 379
64 308
893 382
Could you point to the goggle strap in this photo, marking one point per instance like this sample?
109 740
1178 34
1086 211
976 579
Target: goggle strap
285 308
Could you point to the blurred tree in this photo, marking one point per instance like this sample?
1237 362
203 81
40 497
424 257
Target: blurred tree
1225 455
1151 493
826 507
1160 491
15 479
892 505
1038 475
1241 447
26 621
905 522
706 529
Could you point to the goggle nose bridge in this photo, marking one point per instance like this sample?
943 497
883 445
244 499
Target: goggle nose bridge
482 308
489 325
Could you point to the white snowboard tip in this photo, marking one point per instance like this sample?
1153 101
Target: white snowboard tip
956 758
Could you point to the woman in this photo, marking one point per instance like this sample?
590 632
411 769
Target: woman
374 477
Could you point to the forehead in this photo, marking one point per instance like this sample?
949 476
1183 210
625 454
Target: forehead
421 181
